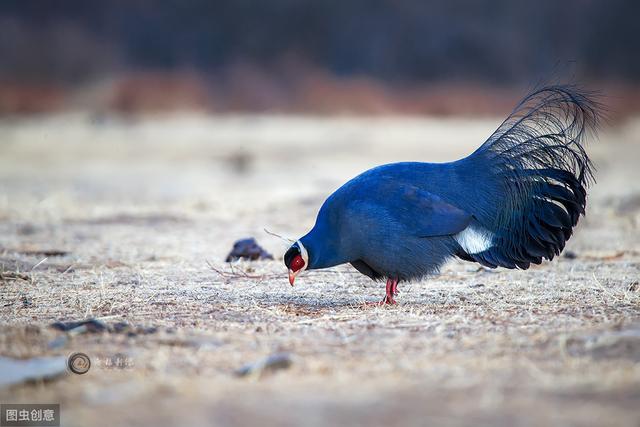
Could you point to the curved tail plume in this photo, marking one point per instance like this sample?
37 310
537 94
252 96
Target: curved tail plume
537 160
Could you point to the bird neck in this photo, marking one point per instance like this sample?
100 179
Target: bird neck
324 248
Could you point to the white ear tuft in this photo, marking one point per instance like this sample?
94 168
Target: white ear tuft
304 254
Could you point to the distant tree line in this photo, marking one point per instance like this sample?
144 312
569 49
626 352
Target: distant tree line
400 41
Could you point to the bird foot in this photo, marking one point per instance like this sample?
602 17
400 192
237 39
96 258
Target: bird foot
385 301
391 291
388 301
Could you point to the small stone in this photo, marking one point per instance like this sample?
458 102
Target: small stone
119 327
89 325
26 301
247 249
272 363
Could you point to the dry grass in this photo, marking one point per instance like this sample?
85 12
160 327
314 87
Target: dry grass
143 214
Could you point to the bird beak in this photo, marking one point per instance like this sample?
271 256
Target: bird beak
292 277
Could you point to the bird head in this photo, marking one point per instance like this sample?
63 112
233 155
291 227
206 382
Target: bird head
296 259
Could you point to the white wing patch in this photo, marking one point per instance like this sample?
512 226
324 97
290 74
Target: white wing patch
474 239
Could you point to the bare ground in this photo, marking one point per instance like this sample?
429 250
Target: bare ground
131 221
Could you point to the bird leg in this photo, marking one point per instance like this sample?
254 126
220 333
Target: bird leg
392 290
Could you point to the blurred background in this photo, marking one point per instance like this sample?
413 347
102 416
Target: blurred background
370 57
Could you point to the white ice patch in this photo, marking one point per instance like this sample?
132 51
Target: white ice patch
474 239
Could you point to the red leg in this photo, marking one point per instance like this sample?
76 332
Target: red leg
391 291
392 285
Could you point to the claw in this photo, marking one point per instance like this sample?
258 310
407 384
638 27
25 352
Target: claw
388 301
391 291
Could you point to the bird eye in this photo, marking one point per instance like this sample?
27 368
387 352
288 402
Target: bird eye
297 263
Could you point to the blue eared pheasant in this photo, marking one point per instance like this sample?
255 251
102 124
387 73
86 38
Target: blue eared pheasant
512 202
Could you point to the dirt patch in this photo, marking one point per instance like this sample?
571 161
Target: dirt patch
300 310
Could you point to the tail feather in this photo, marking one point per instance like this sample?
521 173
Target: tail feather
538 161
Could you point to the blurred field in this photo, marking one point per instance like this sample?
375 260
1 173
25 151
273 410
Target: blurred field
144 211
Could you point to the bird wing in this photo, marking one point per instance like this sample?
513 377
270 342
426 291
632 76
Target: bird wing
428 215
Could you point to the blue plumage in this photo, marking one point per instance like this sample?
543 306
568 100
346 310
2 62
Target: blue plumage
512 202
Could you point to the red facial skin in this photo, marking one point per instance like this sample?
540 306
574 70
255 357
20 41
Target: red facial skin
296 264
